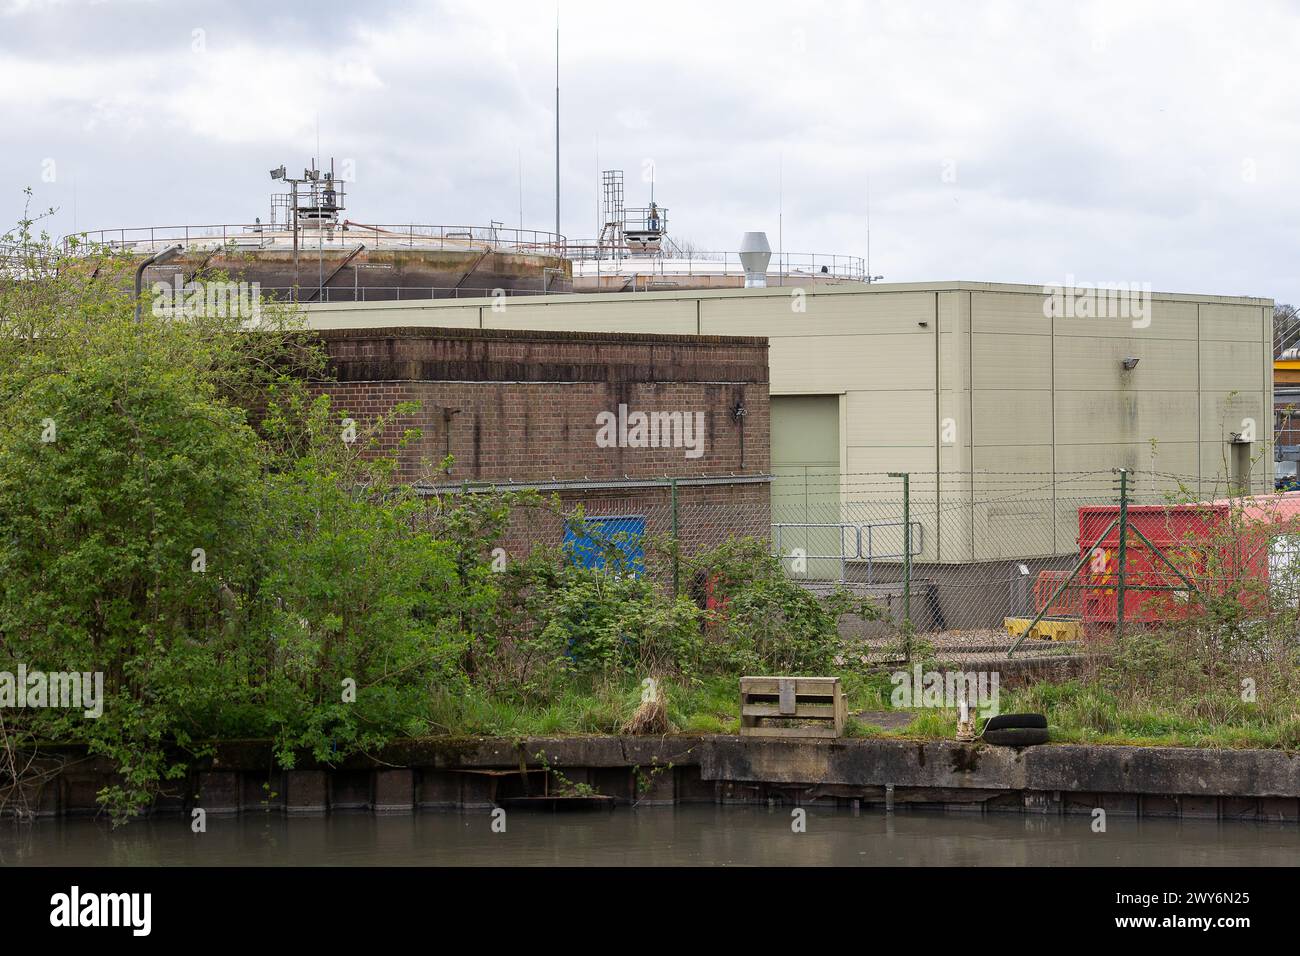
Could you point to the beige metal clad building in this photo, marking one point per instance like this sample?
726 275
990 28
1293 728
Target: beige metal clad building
972 388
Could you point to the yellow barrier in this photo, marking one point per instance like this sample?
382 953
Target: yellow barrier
1044 630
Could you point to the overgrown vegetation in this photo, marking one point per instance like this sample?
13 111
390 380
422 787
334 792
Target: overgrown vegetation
185 513
1216 664
1163 687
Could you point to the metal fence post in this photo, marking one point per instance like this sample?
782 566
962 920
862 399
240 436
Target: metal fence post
907 559
672 482
1123 550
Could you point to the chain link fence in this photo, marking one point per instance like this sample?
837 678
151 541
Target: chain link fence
971 563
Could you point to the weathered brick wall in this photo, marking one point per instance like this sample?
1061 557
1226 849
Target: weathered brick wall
523 406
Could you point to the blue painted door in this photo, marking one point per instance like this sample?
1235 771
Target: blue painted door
602 538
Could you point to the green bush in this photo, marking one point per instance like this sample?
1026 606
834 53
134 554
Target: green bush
767 623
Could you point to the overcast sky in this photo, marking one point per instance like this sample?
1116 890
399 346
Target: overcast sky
999 141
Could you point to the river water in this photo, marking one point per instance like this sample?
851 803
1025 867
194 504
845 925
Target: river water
688 835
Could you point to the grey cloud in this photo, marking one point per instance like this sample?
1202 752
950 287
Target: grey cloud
1111 158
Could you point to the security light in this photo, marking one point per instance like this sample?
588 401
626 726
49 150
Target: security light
1130 364
278 173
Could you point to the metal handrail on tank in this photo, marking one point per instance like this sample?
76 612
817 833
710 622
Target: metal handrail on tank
690 262
25 261
392 293
262 235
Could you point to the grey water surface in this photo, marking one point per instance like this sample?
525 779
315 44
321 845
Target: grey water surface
681 836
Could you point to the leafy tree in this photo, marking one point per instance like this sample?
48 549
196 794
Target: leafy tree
228 571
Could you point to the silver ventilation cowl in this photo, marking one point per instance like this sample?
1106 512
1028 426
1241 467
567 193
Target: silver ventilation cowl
755 254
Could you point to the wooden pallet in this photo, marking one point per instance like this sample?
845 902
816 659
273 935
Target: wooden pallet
792 707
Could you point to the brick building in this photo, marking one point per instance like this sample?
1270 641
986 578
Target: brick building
604 420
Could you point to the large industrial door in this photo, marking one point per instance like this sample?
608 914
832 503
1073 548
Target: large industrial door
806 492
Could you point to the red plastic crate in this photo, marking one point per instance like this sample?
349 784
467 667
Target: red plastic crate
1045 585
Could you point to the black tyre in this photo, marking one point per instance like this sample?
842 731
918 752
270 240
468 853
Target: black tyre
1004 721
1016 736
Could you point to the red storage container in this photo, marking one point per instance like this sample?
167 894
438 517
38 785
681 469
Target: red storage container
1219 545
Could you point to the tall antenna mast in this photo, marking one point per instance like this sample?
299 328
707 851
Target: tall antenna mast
557 117
868 229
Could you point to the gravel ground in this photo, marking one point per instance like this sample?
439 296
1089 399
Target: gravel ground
970 645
